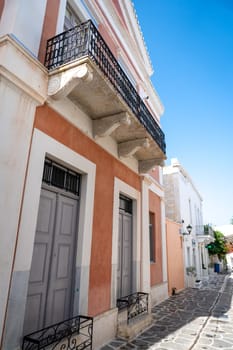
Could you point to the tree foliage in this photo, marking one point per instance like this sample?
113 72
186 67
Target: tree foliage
218 246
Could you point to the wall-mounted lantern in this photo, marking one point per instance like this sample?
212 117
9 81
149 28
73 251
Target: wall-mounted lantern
189 230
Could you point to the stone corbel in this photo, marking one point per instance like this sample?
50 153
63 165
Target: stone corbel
105 126
129 148
62 83
146 165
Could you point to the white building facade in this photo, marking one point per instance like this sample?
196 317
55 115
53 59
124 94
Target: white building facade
79 138
183 204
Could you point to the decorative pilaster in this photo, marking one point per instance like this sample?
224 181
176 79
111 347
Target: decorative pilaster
20 95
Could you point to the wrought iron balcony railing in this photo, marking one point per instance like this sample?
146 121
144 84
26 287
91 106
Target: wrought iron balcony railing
75 333
136 304
204 230
85 40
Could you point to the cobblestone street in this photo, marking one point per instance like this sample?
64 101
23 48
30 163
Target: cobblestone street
194 319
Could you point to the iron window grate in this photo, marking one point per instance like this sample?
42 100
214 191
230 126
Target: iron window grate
126 204
59 176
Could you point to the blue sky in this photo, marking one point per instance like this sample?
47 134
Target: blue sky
190 43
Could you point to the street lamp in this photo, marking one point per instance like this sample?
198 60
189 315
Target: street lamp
189 229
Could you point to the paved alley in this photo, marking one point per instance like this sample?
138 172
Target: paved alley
194 319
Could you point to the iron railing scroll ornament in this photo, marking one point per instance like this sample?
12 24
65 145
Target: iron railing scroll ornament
84 40
136 304
72 334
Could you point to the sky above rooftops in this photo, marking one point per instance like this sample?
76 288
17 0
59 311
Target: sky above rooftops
191 48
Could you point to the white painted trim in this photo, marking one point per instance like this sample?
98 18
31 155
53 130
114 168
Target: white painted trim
43 145
61 17
156 188
145 244
164 241
123 188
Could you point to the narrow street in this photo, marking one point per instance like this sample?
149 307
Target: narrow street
194 319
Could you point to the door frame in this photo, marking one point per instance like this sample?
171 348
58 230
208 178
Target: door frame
44 146
123 188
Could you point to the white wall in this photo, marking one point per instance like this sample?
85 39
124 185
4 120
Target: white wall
19 98
187 209
24 19
190 207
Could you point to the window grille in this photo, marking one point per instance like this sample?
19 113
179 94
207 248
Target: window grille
59 176
126 204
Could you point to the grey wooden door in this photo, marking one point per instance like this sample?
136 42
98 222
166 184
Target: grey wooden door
124 270
51 277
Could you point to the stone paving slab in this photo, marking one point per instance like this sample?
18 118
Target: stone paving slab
194 319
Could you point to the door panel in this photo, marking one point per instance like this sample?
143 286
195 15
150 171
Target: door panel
60 286
127 255
124 268
119 265
51 276
37 289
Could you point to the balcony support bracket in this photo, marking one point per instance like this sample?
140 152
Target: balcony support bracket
105 126
147 165
62 83
129 148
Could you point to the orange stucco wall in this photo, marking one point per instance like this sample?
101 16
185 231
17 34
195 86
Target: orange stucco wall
107 167
2 3
156 267
175 263
49 26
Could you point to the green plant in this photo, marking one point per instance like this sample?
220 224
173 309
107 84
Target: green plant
218 246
